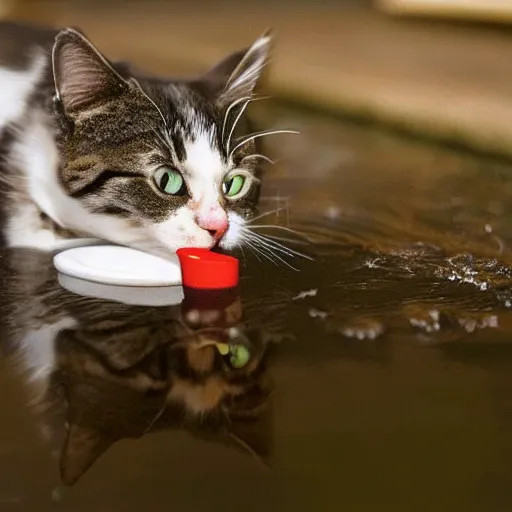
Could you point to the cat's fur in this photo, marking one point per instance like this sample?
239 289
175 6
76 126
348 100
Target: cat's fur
100 371
80 139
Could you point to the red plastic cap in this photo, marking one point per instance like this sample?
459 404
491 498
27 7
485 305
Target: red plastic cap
207 270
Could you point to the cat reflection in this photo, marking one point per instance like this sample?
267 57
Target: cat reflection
103 371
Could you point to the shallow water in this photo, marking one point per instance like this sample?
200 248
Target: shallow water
385 361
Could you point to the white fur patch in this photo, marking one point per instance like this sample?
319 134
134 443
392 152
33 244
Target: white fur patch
234 235
36 154
16 87
180 230
38 348
204 170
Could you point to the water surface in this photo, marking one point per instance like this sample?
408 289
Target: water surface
378 377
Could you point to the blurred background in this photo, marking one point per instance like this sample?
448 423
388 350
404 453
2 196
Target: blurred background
438 68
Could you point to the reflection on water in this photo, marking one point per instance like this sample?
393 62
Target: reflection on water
375 377
101 371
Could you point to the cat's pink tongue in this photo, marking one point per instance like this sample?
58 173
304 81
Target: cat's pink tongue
207 270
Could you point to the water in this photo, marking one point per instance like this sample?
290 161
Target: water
378 377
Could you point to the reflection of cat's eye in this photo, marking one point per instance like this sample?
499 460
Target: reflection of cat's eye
238 355
233 185
170 181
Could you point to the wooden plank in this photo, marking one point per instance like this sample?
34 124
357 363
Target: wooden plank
482 10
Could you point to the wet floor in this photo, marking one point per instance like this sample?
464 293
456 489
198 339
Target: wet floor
376 377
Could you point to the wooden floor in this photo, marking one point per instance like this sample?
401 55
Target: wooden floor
447 81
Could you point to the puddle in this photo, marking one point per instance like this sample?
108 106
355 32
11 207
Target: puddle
375 377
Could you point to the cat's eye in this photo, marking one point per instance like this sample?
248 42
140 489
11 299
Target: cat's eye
233 185
170 181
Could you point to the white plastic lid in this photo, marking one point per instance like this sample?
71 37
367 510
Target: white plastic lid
117 265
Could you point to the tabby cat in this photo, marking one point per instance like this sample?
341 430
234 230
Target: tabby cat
92 148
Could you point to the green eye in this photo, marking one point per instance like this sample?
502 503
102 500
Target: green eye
233 185
170 181
239 356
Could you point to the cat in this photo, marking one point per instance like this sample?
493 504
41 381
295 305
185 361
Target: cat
99 371
95 149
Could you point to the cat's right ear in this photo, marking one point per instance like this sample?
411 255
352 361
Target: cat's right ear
238 75
83 77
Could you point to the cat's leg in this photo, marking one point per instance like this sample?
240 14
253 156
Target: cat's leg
27 226
24 226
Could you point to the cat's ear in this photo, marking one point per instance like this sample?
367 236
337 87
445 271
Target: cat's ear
254 434
83 77
238 75
82 447
251 421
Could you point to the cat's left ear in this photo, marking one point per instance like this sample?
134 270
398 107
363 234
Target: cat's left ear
237 76
83 446
83 77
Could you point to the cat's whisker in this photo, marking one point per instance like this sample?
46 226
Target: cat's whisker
157 416
258 155
277 226
244 241
254 136
271 254
251 242
240 246
290 240
274 198
274 258
271 212
247 100
235 122
257 251
164 120
275 250
226 115
162 137
165 138
269 249
278 246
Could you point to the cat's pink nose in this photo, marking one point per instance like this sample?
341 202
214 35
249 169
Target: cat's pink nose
215 223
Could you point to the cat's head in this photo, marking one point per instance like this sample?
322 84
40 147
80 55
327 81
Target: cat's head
151 163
